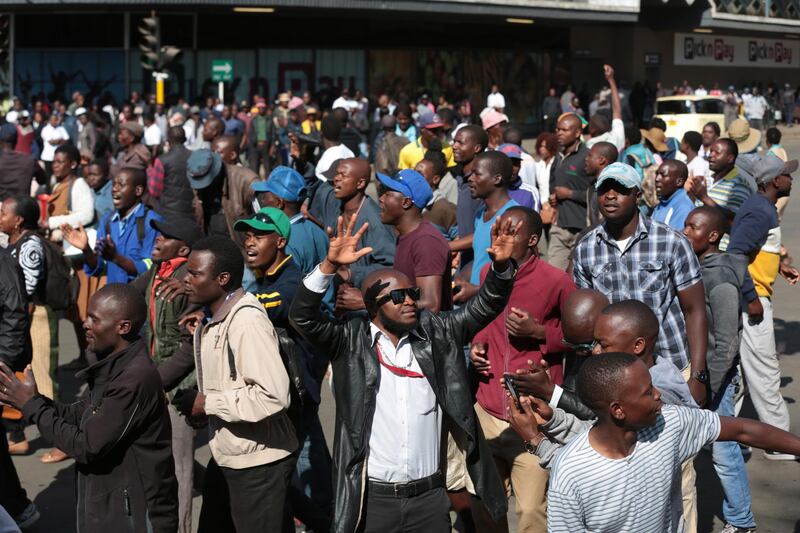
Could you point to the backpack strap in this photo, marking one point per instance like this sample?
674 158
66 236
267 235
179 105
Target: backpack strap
231 361
140 229
69 196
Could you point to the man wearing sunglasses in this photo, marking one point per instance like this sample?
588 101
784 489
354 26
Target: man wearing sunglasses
398 375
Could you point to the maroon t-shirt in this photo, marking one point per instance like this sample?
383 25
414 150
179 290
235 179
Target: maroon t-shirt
425 252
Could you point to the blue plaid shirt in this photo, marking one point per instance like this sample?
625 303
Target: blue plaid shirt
657 263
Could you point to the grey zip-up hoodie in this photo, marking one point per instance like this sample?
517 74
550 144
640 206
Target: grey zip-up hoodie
723 276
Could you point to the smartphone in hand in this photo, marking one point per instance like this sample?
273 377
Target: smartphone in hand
509 381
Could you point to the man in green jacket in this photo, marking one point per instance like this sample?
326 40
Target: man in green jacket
165 306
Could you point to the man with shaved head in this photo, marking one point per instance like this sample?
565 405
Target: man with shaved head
214 127
343 193
399 374
570 184
119 434
228 149
578 316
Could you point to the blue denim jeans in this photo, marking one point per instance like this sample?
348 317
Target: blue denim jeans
729 464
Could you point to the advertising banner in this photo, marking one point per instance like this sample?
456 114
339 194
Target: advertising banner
725 51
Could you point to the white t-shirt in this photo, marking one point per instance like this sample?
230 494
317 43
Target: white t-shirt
329 156
49 133
152 135
642 493
698 167
496 101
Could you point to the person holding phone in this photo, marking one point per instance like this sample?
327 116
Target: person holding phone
528 329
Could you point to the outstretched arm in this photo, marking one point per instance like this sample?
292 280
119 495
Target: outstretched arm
616 105
759 435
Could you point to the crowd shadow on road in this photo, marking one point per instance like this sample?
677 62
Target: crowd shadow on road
787 339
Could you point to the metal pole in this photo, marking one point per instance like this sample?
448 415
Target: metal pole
221 91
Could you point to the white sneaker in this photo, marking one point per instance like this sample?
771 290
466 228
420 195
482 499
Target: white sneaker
730 528
778 456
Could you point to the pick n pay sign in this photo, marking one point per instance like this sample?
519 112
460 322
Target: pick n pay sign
726 51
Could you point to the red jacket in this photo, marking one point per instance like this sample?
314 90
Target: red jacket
541 290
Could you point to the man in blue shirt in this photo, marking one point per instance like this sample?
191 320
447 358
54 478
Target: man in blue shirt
674 204
125 237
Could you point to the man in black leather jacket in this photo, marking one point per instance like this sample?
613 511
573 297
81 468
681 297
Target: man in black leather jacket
396 376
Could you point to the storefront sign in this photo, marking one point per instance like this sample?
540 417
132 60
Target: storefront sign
726 51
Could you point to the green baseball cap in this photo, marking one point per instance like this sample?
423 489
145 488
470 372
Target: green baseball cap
268 219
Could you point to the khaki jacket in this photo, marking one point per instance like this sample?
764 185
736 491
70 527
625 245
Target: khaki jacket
246 406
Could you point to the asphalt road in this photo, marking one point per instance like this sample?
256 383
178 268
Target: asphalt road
775 485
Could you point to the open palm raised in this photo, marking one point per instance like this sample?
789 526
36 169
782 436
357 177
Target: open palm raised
503 233
342 249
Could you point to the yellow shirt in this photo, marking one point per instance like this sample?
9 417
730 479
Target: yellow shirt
765 266
306 125
413 153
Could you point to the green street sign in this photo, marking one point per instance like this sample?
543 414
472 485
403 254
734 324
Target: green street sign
221 70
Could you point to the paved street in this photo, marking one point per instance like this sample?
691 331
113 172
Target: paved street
775 485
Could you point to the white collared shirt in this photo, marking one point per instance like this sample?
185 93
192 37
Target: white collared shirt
406 431
405 437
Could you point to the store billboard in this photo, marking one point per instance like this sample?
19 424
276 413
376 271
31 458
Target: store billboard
726 51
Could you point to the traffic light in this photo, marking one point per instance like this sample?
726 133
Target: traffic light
155 56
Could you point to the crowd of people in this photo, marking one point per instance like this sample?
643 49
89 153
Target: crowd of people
571 326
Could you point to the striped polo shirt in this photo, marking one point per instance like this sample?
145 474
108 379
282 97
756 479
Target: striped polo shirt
729 192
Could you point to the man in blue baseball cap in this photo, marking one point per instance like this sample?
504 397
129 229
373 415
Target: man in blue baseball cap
285 189
422 253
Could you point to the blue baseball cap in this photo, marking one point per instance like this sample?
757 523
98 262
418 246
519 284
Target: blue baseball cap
513 151
283 182
410 184
623 174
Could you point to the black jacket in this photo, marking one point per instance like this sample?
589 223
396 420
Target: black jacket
177 197
438 347
569 400
120 438
15 347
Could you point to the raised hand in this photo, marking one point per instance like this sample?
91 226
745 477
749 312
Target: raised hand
76 237
109 250
503 233
608 72
343 247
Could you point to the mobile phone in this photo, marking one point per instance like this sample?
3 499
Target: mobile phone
509 379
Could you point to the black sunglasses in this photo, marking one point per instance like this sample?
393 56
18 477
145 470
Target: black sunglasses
398 296
263 217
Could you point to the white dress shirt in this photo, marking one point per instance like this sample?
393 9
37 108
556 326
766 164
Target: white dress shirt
406 433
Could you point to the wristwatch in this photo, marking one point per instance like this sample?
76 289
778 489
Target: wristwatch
701 376
530 445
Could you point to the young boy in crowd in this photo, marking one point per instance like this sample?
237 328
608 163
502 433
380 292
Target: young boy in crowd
622 474
723 275
125 237
674 203
119 434
97 178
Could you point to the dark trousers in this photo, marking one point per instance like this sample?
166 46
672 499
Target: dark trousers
427 513
245 500
12 496
257 156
